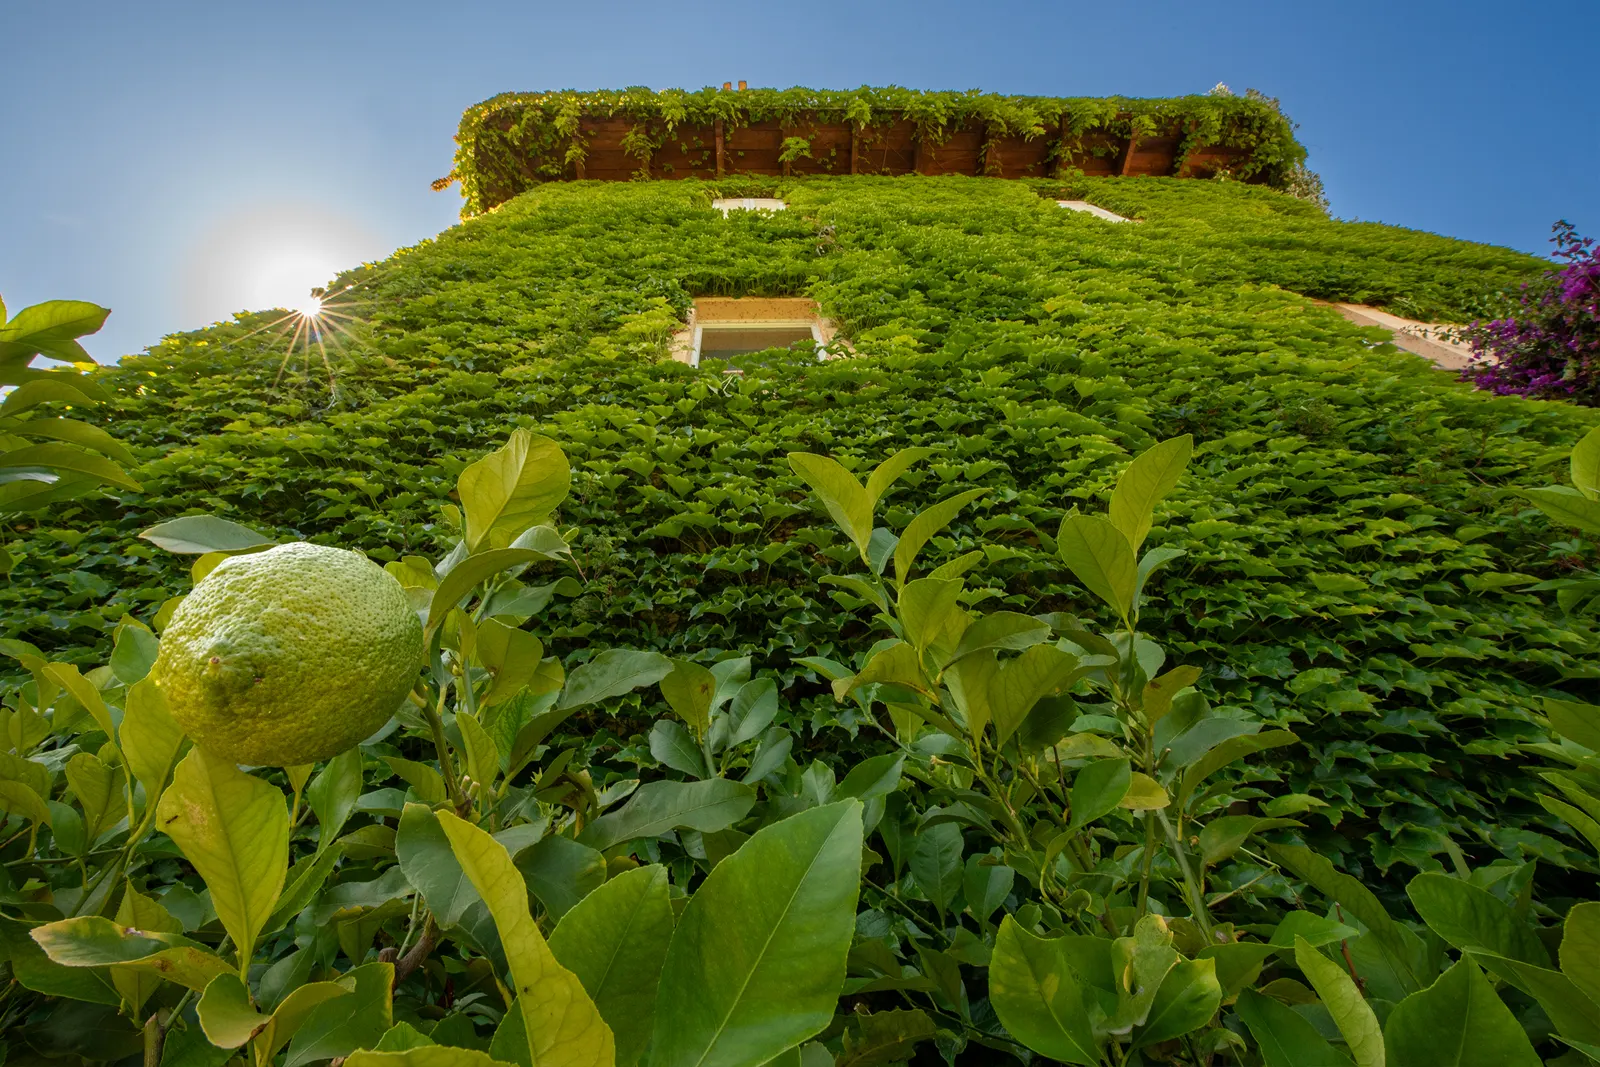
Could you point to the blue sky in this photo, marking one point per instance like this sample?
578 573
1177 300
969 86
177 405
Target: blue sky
170 160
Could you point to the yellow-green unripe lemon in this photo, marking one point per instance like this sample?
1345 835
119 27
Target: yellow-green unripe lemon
289 656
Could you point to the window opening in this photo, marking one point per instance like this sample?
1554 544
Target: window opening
727 205
735 329
1092 209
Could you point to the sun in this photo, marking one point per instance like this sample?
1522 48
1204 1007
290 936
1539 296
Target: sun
310 307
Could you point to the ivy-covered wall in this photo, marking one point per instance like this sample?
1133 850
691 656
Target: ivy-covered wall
1358 565
514 141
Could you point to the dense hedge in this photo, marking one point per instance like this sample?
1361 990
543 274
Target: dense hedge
513 140
1356 565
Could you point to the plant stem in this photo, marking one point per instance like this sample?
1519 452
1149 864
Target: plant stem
1146 860
442 749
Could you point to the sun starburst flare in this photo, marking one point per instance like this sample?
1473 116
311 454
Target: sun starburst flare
319 320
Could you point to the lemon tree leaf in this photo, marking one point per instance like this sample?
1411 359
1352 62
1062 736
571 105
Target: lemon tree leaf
612 673
1140 487
657 807
1458 1021
149 737
1036 995
95 941
1285 1037
927 524
514 487
427 1056
615 940
344 1024
1351 1013
757 961
234 829
1099 556
688 690
199 534
429 864
845 499
465 576
563 1026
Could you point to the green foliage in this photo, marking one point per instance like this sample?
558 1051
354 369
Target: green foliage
1030 776
46 460
513 141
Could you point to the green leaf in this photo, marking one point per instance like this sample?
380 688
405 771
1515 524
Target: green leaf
426 782
1229 751
1574 1015
657 807
876 776
34 970
563 1027
931 616
1351 1013
199 534
234 829
230 1020
515 487
403 1036
98 788
483 756
1474 920
1401 947
428 1056
20 800
72 432
344 1024
895 664
885 1037
615 940
1565 505
758 959
55 388
149 736
1285 1037
986 886
1580 945
1143 484
1004 692
466 575
333 794
430 865
672 745
1098 788
688 689
1158 692
936 863
1036 994
612 673
1575 721
133 653
93 941
1189 996
754 707
924 527
889 471
1223 836
1459 1021
511 656
1001 630
844 497
66 675
561 872
1099 556
52 327
1586 464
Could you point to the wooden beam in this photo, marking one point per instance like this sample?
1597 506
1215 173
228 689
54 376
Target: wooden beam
720 152
916 151
982 166
855 148
1062 161
1127 156
783 135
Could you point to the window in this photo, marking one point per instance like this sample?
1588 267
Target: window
1088 208
729 328
748 203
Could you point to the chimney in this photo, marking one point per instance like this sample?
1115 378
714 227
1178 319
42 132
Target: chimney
726 86
743 85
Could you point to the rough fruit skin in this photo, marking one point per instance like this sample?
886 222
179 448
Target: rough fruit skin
289 656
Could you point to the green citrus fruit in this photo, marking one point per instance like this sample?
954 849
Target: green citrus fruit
289 656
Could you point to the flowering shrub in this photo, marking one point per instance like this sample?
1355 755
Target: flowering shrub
1549 346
